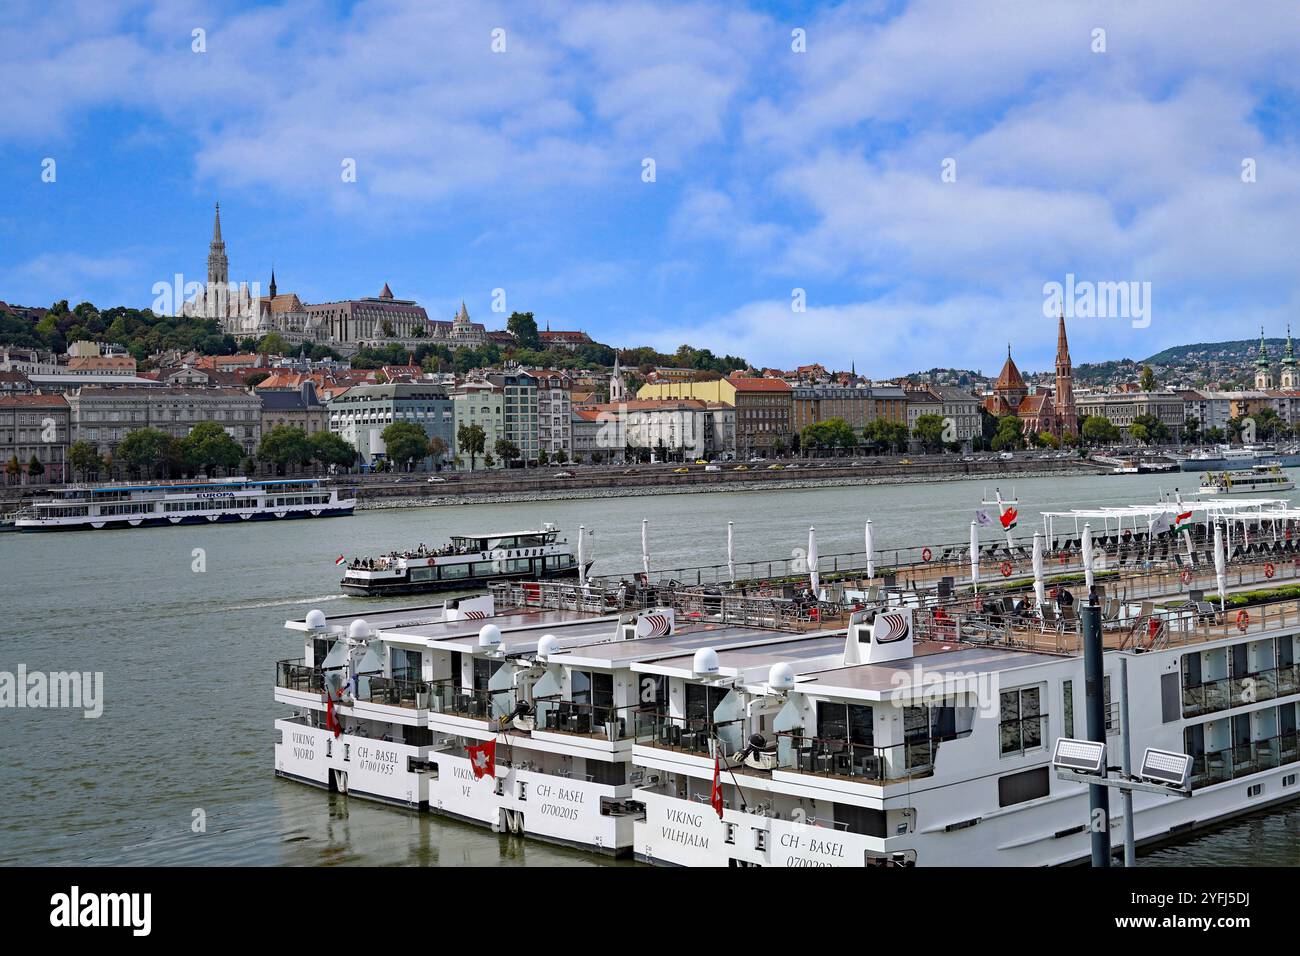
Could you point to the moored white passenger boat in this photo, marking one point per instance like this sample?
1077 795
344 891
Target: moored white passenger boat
1268 479
82 507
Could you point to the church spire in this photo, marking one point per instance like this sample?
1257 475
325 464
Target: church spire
272 282
218 264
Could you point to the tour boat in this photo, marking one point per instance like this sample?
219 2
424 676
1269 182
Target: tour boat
468 562
81 507
1265 478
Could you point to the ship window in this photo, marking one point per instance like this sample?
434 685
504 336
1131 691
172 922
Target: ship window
1067 707
1022 720
1170 698
702 701
1024 786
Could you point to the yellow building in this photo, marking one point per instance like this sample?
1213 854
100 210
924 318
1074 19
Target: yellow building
763 407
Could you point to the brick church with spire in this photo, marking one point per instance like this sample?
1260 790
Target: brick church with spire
1051 411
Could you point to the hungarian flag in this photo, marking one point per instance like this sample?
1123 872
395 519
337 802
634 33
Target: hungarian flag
1183 522
483 759
331 722
1008 519
715 795
339 560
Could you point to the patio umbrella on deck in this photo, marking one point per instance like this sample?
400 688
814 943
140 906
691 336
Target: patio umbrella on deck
812 562
975 555
731 556
1220 569
582 563
1086 543
1040 591
645 549
871 552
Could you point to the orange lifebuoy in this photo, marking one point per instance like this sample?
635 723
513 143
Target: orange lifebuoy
926 554
1005 567
1268 569
432 562
1243 620
1185 576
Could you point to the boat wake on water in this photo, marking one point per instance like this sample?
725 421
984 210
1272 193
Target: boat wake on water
285 602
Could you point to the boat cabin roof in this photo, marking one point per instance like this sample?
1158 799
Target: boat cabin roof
619 654
520 631
803 653
887 681
502 534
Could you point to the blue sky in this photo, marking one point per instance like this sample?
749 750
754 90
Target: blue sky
774 170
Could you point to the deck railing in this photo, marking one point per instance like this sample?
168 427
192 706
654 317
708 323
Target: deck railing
556 715
1242 760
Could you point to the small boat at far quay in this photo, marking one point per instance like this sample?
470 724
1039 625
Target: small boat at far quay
468 561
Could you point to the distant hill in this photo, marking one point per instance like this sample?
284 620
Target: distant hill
1242 350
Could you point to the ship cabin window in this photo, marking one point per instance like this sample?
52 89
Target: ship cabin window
1022 722
406 664
1067 707
592 687
702 701
320 647
1020 787
483 671
456 670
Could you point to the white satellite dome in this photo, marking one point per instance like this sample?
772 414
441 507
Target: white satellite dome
705 661
315 619
489 635
547 646
358 629
780 676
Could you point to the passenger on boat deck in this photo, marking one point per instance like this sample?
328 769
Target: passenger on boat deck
1063 597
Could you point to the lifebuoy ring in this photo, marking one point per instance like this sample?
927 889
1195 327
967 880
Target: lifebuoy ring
1005 568
1185 576
431 562
1243 620
926 554
1269 569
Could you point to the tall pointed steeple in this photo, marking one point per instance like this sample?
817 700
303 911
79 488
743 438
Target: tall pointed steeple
1289 380
272 282
1067 414
218 265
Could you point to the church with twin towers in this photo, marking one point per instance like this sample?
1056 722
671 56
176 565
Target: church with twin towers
344 326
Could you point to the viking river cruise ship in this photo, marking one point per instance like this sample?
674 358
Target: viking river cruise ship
908 724
82 507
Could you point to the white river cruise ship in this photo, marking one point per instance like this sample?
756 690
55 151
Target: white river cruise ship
82 507
879 725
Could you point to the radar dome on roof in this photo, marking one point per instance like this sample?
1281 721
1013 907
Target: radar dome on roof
489 635
705 661
547 646
780 676
358 629
315 619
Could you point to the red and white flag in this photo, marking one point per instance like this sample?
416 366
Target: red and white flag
715 795
1008 518
331 722
339 560
483 759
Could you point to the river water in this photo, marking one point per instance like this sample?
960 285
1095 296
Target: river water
179 768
